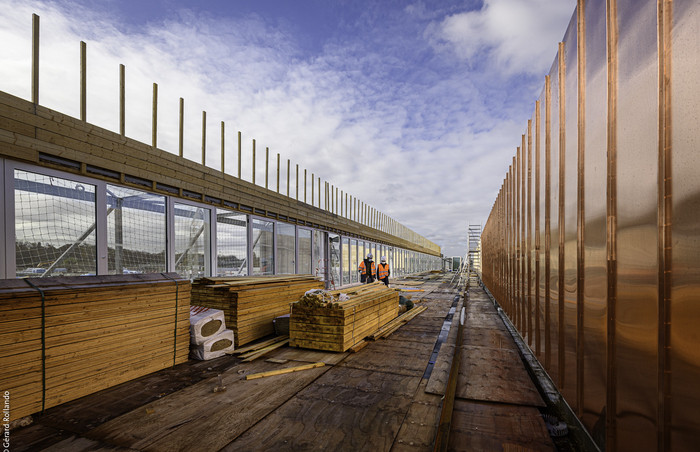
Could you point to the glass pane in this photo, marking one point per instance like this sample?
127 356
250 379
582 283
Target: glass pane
54 226
231 243
354 275
334 250
263 251
346 261
191 241
136 239
285 248
305 262
319 255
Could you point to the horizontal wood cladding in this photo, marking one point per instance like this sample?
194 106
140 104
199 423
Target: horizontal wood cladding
44 137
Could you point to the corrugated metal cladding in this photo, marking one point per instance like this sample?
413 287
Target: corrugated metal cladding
593 243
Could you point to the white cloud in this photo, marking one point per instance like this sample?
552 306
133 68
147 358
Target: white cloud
424 139
513 36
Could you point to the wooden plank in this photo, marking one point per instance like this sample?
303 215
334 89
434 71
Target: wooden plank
285 370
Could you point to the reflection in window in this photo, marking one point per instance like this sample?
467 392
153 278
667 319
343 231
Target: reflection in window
285 248
54 226
231 243
321 261
191 241
305 264
263 251
136 238
354 265
346 260
334 250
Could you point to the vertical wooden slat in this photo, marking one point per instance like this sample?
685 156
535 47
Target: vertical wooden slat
665 218
35 60
223 147
83 81
181 129
297 181
122 100
312 187
154 117
289 164
240 151
267 167
611 215
278 173
204 138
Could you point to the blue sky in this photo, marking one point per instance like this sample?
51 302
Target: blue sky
414 107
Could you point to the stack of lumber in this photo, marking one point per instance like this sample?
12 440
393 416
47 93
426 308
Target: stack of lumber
65 337
250 304
328 323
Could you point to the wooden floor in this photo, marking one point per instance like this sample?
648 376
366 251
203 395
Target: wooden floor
385 397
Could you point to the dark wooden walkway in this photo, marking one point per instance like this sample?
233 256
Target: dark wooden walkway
386 397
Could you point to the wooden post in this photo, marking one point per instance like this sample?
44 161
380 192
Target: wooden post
253 161
182 126
312 187
267 165
35 60
154 117
83 81
122 100
278 173
204 138
289 165
319 192
239 154
297 181
223 154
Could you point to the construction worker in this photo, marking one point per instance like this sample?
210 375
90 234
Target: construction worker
383 271
368 271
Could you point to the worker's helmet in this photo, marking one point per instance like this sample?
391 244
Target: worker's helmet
369 256
383 259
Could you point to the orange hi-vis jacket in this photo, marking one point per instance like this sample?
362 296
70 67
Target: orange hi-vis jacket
363 268
382 271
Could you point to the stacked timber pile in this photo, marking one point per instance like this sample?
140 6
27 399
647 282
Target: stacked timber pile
337 320
67 337
251 304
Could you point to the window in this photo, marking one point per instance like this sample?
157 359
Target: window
191 230
55 223
346 261
136 236
231 243
305 262
263 247
286 249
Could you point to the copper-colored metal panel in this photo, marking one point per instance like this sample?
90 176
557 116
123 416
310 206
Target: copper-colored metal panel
684 353
554 158
569 277
637 260
594 287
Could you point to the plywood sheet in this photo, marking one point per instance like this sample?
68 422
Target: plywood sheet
404 358
347 409
496 375
492 426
